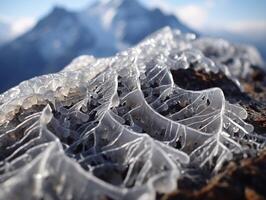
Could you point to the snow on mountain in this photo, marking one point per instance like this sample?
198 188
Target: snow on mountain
101 29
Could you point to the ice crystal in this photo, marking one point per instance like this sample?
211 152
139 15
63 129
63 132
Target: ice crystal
120 127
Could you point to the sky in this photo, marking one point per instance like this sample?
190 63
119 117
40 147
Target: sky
237 16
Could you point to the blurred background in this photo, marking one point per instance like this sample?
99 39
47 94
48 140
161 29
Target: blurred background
39 37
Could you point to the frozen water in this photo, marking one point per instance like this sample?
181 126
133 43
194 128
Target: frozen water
120 127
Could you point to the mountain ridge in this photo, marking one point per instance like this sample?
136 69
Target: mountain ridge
102 29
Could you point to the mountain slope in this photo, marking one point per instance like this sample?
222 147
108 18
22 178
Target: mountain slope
50 44
102 29
5 32
131 22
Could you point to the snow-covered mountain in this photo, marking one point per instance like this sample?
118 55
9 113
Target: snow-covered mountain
129 22
101 29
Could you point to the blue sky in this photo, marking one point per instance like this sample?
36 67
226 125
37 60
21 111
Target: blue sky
233 15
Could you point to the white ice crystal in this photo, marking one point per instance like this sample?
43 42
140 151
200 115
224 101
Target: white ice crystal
120 127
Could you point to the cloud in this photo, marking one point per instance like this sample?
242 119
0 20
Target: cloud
248 27
21 25
192 14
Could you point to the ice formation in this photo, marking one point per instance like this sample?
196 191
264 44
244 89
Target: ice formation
120 127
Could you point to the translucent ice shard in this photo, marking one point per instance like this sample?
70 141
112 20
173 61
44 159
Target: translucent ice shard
120 127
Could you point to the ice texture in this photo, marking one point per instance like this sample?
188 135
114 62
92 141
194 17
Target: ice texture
120 127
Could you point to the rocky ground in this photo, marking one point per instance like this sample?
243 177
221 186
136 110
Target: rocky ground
244 178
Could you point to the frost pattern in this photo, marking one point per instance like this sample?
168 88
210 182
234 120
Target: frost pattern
119 127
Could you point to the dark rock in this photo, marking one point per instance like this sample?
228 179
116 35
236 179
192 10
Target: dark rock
242 178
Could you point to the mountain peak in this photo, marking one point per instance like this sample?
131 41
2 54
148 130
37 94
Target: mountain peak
129 4
102 29
59 9
57 15
118 3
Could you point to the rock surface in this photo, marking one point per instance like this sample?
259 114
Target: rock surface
243 178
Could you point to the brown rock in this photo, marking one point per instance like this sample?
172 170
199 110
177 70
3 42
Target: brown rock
239 179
